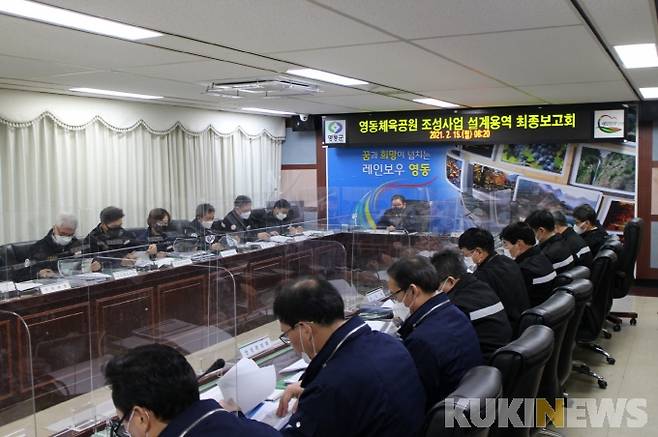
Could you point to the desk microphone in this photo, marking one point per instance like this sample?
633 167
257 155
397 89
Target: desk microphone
218 364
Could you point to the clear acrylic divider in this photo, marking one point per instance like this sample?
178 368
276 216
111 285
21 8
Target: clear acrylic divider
17 384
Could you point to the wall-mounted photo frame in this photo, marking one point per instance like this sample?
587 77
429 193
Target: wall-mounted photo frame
531 194
455 171
615 212
604 168
488 179
547 158
485 150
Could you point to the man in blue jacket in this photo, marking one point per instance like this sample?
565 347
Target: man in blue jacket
359 382
156 394
439 336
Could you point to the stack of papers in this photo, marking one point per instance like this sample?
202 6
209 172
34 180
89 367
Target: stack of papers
280 239
296 366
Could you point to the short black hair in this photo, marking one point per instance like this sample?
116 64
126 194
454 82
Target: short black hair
309 299
111 214
560 218
399 197
477 237
414 270
449 262
154 376
585 212
541 218
282 204
518 231
241 200
203 209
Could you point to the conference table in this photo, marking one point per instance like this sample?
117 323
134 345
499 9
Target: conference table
54 342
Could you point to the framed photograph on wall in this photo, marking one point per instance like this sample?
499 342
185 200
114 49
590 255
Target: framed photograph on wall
531 194
548 158
604 168
487 179
615 213
485 150
455 171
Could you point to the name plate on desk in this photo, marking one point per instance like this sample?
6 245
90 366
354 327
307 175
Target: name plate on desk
375 295
7 286
182 262
267 244
255 347
123 274
228 252
57 286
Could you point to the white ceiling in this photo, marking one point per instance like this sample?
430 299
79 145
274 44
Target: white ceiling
470 52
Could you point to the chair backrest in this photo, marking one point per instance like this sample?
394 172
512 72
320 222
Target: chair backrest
596 310
555 312
578 272
628 257
521 364
21 251
179 226
581 290
478 386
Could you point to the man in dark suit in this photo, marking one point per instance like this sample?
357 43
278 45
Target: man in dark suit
579 248
399 216
589 228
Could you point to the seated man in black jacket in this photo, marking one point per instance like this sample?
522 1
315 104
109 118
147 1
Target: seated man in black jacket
204 228
277 221
59 242
589 228
399 216
476 299
537 269
579 248
239 221
501 273
156 393
110 236
552 244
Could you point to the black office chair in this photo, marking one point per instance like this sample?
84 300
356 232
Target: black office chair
178 226
21 251
625 274
578 272
478 386
595 311
555 312
581 290
521 364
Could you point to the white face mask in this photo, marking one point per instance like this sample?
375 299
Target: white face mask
62 240
470 264
305 356
281 216
507 253
578 229
400 311
207 224
245 215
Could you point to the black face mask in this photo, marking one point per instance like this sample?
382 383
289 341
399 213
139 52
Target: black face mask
160 228
114 232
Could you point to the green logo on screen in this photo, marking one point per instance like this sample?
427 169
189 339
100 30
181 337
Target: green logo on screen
335 127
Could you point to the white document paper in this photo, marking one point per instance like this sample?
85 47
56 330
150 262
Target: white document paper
214 393
267 414
94 276
388 304
6 286
294 378
247 385
295 367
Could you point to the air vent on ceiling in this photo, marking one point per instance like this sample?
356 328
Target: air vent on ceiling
265 88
